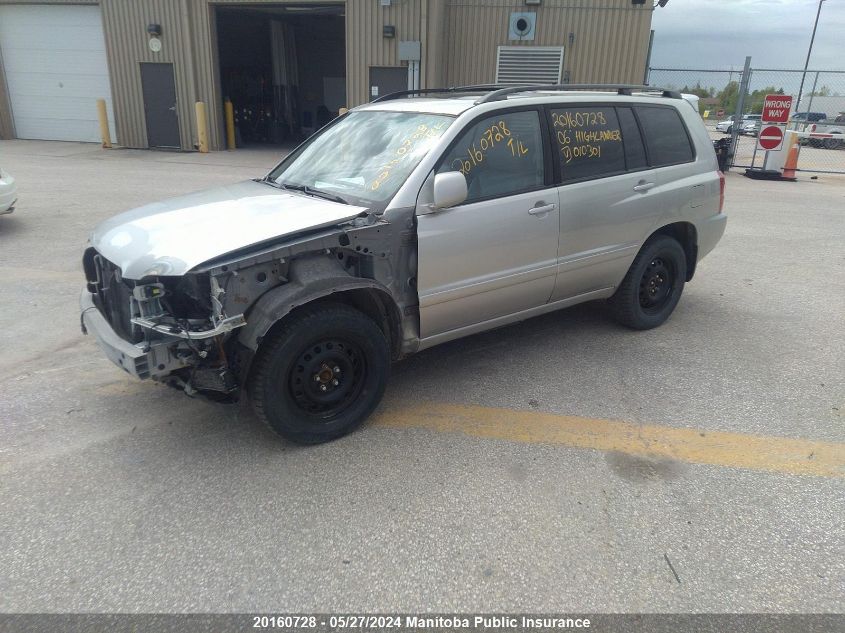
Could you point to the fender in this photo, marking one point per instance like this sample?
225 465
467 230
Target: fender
311 277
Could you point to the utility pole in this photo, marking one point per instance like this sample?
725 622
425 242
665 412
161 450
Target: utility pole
809 51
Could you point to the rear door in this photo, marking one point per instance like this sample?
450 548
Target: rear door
606 195
495 254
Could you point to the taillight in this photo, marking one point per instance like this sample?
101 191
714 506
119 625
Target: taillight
721 191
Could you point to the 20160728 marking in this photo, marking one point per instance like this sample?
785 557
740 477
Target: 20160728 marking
284 622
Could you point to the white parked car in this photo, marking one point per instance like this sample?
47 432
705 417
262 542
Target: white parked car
8 192
726 126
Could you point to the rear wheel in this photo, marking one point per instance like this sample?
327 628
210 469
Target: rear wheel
833 143
320 374
653 285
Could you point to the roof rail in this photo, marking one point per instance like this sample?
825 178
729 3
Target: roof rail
622 89
423 91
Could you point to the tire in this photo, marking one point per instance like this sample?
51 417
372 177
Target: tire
729 130
653 285
320 374
832 143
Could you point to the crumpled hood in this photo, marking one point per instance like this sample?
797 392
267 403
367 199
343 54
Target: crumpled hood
173 236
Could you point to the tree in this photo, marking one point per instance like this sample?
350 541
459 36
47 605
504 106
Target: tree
699 91
728 96
754 102
824 91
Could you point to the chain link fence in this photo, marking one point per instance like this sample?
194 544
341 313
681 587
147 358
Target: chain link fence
818 107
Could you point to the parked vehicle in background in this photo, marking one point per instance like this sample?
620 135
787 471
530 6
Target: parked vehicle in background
8 192
726 126
835 127
808 117
750 123
751 128
403 224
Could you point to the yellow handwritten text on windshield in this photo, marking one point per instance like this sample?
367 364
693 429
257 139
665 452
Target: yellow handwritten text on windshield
422 133
490 138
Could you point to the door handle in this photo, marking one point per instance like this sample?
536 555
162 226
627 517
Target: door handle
642 187
542 210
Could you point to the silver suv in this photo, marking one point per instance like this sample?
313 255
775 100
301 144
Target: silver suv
407 222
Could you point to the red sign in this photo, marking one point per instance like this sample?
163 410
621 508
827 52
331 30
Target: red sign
771 137
776 108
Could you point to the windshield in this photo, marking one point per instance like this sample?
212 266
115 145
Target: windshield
364 158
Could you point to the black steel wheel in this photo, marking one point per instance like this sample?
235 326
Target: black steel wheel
320 373
657 285
653 285
327 377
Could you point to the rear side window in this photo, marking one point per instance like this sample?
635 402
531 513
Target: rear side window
589 142
500 155
665 136
634 150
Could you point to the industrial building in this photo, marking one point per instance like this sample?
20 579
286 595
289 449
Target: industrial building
286 66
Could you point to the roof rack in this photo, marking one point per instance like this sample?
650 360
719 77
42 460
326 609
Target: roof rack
424 91
500 92
622 89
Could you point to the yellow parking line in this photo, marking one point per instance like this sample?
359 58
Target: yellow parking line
719 448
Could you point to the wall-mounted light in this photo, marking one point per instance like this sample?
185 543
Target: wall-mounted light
533 3
154 30
571 39
388 30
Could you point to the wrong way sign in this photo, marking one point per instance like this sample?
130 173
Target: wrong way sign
776 108
770 138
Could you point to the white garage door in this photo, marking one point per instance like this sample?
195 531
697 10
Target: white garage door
54 58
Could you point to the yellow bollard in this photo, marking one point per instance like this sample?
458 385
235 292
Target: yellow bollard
230 124
104 123
202 127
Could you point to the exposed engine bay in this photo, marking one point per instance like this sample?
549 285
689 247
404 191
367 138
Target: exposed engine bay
199 331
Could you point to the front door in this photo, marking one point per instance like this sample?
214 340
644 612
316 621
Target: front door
162 119
494 254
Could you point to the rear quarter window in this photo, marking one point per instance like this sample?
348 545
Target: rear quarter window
665 135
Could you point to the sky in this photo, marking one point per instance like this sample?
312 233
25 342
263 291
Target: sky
720 33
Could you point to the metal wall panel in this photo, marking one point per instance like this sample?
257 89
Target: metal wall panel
610 38
459 42
365 44
127 45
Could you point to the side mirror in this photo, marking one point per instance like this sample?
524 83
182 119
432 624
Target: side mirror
450 188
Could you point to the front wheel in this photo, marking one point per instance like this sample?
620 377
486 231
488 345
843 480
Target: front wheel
653 285
320 374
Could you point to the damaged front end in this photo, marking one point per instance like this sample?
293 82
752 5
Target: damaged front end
200 330
171 329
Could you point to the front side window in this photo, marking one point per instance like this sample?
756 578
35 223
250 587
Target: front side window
499 155
589 142
365 157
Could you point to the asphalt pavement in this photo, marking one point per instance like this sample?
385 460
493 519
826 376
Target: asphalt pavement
561 464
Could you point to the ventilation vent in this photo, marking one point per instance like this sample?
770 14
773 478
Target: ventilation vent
529 64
